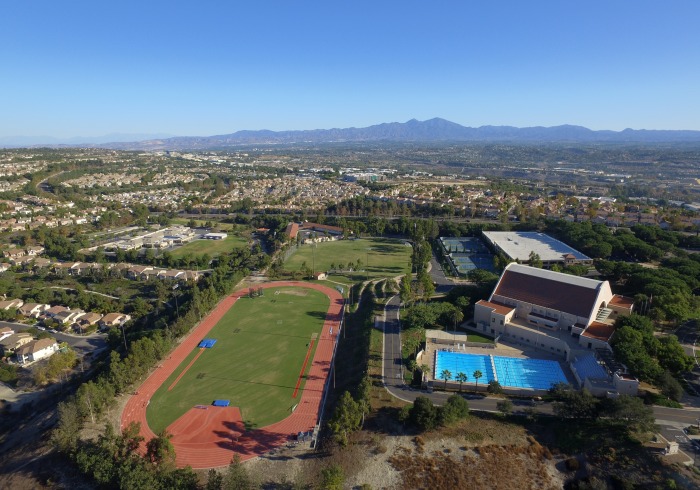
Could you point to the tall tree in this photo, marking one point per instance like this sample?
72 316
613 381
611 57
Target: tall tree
462 378
160 451
446 375
346 418
476 375
405 293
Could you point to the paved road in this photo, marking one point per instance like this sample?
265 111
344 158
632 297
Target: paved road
82 345
393 379
392 368
689 336
443 284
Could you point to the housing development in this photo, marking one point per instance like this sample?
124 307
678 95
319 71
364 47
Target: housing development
279 310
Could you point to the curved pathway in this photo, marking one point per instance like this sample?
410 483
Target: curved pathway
215 447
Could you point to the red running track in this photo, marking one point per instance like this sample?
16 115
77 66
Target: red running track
215 435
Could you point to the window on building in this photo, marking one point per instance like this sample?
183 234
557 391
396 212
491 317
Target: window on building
501 322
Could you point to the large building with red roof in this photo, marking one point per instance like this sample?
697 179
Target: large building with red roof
564 315
549 310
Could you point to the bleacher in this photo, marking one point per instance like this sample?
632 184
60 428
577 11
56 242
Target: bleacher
587 366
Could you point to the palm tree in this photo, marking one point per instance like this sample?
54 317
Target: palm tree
446 375
425 369
477 374
461 377
457 316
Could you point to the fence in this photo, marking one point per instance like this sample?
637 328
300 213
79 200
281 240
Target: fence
331 373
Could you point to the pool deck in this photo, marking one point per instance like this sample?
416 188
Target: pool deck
511 350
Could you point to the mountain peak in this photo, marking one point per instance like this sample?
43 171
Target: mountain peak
413 130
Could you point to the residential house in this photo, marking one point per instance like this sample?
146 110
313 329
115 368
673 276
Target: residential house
80 269
33 310
35 250
5 332
149 274
113 320
40 263
171 275
62 268
37 350
136 271
25 260
87 320
55 310
192 276
69 316
4 266
15 341
14 253
10 304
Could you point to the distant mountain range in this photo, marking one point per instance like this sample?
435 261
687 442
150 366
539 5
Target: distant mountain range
20 141
433 130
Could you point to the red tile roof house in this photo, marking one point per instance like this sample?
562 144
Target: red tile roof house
36 350
561 314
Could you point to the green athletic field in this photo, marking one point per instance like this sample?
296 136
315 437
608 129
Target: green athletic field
211 247
255 363
386 257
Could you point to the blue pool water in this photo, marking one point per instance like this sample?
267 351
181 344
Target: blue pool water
536 374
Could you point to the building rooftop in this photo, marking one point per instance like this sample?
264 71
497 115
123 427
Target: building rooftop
497 307
519 244
622 301
599 331
547 289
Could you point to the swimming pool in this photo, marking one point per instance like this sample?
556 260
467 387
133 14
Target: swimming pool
538 374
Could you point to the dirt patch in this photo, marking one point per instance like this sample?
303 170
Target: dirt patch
478 453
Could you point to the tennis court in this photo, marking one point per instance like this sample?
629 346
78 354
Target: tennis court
466 245
467 253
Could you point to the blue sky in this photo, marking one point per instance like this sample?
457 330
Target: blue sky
202 68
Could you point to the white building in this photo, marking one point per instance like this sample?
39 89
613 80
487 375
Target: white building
518 245
36 350
565 315
551 310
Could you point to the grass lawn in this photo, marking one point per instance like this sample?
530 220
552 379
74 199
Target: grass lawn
477 337
387 258
260 349
211 247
